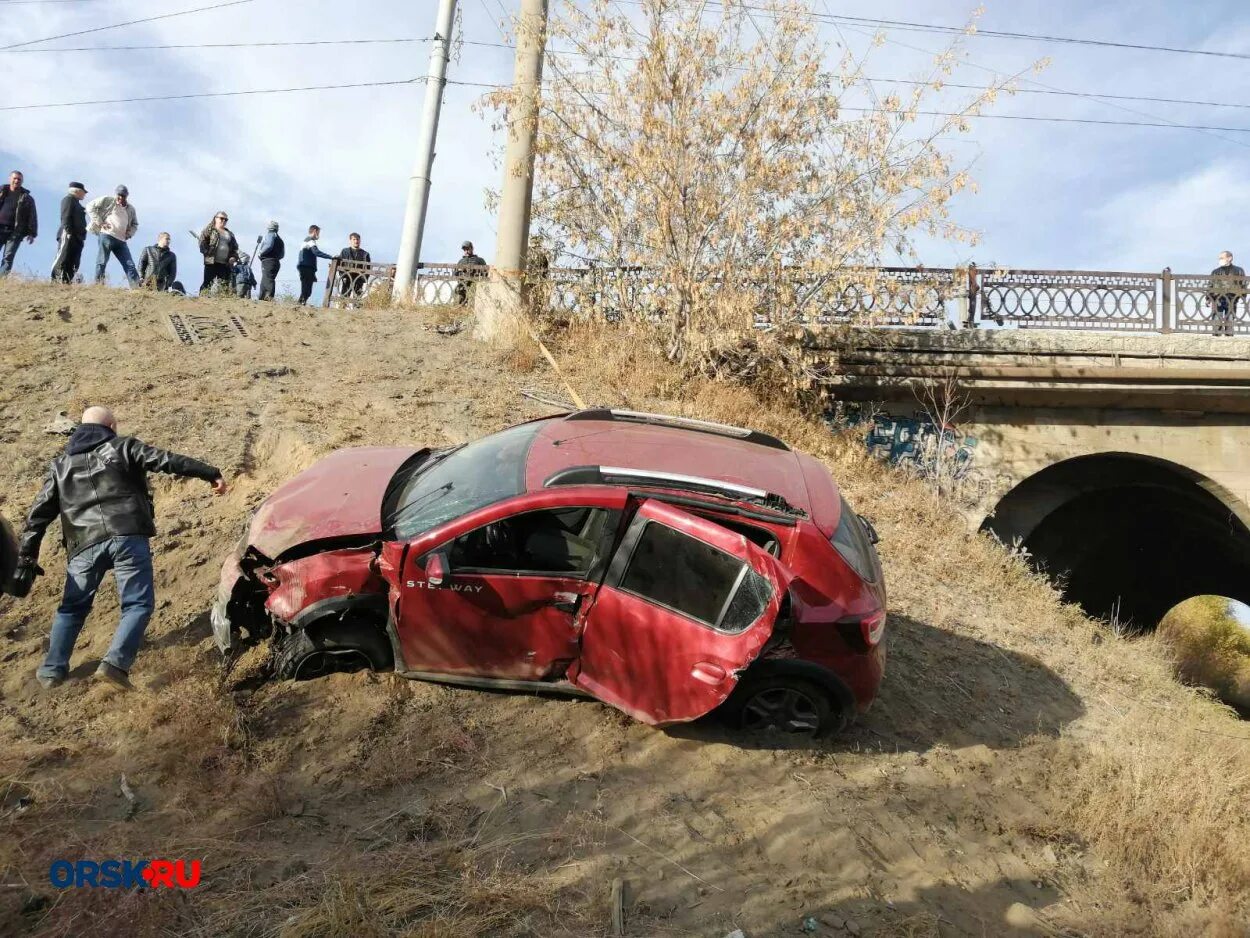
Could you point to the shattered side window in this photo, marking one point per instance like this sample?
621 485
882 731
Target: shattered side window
684 574
748 603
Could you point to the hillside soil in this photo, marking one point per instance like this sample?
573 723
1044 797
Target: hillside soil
366 804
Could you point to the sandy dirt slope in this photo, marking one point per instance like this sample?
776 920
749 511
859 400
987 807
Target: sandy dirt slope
365 804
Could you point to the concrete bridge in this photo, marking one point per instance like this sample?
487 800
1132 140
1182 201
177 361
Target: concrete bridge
1120 462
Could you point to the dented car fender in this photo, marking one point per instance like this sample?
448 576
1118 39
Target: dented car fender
349 575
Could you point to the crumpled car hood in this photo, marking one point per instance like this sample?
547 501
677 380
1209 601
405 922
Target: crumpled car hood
340 496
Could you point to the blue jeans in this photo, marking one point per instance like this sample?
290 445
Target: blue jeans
130 559
9 243
119 249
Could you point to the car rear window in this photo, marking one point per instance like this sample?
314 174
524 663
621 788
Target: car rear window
686 575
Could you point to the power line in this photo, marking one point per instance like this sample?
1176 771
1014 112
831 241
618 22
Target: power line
210 94
1044 90
205 45
146 19
973 31
1019 117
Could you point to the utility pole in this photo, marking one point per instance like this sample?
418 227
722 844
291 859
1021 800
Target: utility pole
502 298
419 184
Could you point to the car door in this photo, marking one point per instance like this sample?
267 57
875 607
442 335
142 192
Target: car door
686 605
505 603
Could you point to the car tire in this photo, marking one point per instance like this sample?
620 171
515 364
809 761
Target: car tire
784 705
349 644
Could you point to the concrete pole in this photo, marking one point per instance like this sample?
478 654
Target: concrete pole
503 296
419 183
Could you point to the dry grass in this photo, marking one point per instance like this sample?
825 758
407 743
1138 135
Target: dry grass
1157 778
1211 649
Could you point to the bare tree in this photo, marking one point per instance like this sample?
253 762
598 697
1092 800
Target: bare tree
944 402
714 163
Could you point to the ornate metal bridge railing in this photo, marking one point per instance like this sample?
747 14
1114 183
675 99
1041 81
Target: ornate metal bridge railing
1210 305
357 283
1067 299
873 296
916 297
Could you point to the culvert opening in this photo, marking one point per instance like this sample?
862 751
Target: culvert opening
1128 537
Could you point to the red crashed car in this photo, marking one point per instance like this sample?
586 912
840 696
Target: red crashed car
665 566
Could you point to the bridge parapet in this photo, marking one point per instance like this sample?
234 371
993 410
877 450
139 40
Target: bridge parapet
967 298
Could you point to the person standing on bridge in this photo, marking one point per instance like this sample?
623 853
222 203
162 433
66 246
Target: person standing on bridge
98 488
1230 279
352 279
470 267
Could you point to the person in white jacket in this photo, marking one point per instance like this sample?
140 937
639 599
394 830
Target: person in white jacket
113 218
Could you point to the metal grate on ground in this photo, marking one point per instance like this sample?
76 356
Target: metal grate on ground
191 330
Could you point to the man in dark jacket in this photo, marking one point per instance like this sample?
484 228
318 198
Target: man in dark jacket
307 264
98 487
352 282
158 267
271 252
1231 279
221 253
71 235
18 220
470 267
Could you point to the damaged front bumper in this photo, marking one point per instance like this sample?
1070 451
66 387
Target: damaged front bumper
225 634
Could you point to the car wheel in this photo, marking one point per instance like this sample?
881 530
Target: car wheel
786 705
318 650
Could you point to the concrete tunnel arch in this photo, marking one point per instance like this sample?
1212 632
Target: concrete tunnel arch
1129 535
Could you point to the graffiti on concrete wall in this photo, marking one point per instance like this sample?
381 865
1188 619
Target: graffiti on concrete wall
917 444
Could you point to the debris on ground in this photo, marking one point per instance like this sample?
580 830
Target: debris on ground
61 424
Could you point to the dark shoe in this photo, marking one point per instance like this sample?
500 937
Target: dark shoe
49 681
114 675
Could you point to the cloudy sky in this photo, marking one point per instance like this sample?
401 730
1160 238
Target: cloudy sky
1051 195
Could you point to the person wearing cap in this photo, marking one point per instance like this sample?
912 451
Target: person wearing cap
307 264
71 236
221 253
470 267
114 219
272 250
18 220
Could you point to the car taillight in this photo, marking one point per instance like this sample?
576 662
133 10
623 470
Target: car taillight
873 627
863 633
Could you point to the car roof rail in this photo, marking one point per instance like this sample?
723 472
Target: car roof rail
619 475
681 423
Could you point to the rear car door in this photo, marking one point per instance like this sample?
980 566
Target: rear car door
686 605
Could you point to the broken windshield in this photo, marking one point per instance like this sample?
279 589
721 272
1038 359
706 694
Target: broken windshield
467 479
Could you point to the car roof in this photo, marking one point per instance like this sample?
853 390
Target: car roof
649 442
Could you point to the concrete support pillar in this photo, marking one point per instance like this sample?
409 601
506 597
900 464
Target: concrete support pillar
419 184
500 302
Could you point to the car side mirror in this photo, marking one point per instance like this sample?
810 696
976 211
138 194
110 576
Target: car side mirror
437 569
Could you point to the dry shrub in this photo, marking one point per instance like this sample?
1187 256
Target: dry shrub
1211 648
